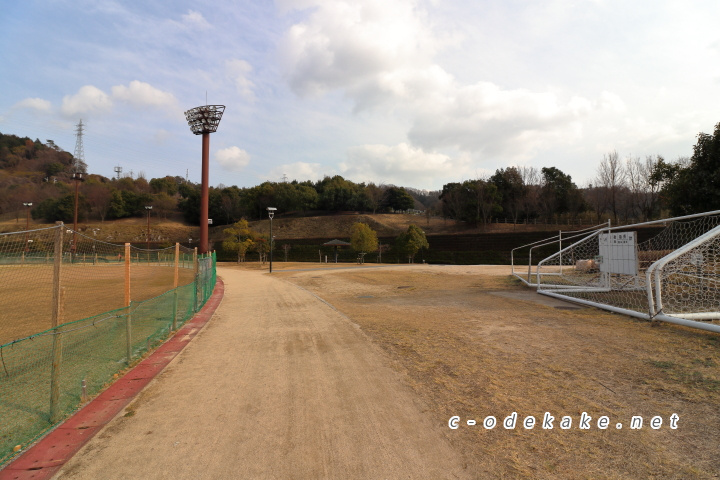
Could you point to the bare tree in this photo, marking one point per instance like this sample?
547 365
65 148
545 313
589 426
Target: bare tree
98 197
531 196
644 187
595 197
375 195
611 176
164 204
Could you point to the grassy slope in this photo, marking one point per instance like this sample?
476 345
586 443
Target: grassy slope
172 230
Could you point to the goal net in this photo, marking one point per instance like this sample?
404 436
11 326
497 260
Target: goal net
666 270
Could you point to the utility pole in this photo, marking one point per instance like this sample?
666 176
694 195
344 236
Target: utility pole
27 225
148 208
78 177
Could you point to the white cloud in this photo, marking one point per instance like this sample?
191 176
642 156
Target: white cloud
195 20
34 104
162 136
611 102
285 6
89 99
351 44
239 71
400 164
380 54
300 171
232 158
141 94
510 123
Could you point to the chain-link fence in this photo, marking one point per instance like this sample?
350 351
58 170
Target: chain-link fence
673 276
542 248
75 312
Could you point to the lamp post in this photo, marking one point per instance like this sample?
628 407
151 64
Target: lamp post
204 121
78 177
27 225
148 208
271 214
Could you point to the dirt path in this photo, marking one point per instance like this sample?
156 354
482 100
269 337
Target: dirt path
279 385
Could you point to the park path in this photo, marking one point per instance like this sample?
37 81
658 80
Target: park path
278 385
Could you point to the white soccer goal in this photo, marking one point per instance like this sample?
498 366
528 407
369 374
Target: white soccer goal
673 276
554 243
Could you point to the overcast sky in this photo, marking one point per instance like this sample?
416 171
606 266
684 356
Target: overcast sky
413 93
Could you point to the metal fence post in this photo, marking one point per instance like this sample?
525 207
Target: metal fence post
128 317
195 276
57 301
175 286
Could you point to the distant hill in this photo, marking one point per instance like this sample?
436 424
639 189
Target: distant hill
42 174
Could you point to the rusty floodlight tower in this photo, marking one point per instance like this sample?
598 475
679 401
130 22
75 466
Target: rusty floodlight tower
204 121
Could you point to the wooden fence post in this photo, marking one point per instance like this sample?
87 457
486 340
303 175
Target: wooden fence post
56 314
128 317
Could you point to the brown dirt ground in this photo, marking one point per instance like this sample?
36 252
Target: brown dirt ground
468 351
253 393
25 303
278 386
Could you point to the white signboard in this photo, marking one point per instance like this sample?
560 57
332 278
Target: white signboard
619 253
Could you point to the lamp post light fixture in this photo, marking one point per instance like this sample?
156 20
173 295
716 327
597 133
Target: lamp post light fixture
203 121
27 224
271 214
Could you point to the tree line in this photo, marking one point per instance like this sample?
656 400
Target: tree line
625 190
42 174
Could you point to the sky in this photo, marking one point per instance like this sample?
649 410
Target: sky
415 93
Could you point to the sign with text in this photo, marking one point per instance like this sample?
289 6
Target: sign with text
619 253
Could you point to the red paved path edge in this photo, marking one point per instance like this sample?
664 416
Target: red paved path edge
46 457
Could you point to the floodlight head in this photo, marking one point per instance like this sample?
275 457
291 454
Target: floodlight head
204 119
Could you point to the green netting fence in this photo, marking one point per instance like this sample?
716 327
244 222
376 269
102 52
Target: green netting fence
76 311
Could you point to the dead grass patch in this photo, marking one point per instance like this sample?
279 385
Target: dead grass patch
472 354
26 299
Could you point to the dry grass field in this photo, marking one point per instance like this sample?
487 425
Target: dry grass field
469 345
385 224
25 303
